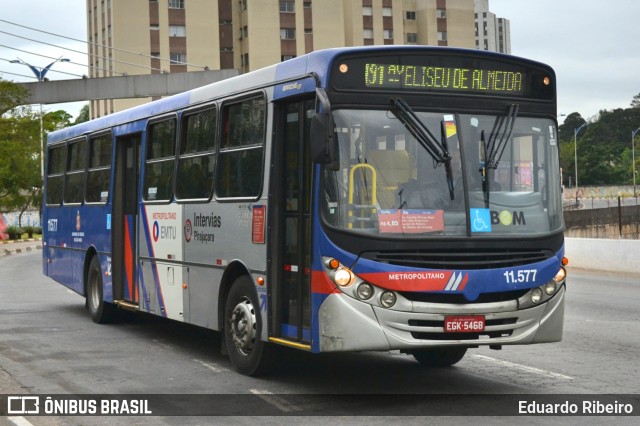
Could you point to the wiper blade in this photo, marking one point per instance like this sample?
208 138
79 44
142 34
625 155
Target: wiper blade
418 130
437 149
484 171
503 126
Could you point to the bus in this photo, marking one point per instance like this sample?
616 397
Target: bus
381 198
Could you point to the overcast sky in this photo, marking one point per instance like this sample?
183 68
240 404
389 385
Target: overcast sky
594 45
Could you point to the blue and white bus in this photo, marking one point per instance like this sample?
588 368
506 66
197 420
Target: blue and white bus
354 199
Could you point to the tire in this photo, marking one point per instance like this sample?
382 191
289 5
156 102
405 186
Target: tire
242 330
101 311
440 357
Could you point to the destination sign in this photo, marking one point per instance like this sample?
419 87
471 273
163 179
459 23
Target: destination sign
439 73
443 78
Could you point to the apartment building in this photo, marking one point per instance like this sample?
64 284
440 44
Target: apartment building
155 36
492 33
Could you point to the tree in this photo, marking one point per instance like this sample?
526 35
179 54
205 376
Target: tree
601 147
635 102
83 115
20 179
11 95
566 129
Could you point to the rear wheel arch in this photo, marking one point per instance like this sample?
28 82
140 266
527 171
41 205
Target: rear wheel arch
233 271
88 258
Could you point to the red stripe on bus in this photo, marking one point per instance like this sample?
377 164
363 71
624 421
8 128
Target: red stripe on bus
128 258
320 283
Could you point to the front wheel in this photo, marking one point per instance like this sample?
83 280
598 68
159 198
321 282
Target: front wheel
242 329
439 357
101 311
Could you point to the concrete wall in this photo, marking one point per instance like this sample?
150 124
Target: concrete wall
613 222
604 255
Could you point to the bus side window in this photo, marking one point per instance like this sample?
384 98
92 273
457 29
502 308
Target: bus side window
55 174
240 160
74 179
197 158
99 169
160 160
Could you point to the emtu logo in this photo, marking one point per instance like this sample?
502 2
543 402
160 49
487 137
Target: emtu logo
156 231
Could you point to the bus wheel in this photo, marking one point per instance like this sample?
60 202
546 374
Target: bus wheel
440 357
242 329
101 312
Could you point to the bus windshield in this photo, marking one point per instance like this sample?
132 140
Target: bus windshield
503 176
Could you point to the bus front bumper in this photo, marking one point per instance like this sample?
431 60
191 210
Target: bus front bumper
347 324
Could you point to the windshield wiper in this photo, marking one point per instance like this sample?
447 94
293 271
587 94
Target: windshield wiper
502 128
438 150
484 170
492 151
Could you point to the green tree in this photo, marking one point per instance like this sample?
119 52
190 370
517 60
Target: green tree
635 102
83 115
601 148
11 95
20 180
566 129
566 136
20 174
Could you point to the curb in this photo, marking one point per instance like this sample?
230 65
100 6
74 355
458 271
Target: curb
6 251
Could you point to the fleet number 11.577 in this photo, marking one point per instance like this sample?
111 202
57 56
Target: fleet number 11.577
521 276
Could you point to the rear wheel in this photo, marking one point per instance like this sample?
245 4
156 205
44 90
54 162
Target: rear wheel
242 329
101 312
439 357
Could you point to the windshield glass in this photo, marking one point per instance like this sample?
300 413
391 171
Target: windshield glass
503 178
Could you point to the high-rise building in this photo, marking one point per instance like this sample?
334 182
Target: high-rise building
143 37
492 33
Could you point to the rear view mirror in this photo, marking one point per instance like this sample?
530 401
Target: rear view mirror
323 141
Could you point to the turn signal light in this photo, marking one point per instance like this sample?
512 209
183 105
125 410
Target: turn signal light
560 276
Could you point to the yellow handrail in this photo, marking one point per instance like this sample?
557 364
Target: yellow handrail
374 179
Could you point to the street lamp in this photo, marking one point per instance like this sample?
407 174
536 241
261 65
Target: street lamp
633 159
575 147
40 73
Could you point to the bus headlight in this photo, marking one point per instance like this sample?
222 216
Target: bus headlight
536 295
364 291
388 299
550 287
342 277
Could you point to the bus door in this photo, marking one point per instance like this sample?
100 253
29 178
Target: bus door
124 219
290 240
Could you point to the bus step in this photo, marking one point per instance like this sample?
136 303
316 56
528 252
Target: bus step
123 304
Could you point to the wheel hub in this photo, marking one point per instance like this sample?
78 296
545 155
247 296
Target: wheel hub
244 326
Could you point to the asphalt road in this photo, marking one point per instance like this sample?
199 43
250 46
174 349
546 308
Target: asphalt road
49 345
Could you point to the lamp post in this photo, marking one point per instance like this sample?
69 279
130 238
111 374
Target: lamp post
575 148
40 73
633 159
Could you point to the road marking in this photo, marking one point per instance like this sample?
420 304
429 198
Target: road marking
19 421
523 367
211 367
280 403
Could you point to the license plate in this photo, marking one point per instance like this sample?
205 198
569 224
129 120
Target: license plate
464 324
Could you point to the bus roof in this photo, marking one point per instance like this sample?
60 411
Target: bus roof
317 63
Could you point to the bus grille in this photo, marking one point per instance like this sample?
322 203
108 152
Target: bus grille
458 259
457 298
